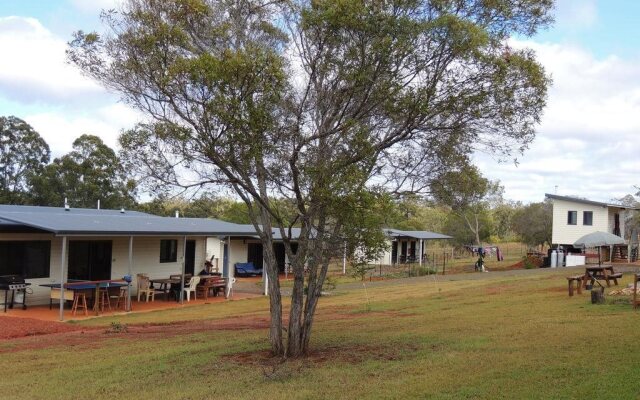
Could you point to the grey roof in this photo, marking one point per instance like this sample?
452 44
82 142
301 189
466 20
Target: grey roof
85 221
590 202
84 211
295 232
114 222
424 235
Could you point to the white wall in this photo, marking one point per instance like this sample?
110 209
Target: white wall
146 259
215 248
563 233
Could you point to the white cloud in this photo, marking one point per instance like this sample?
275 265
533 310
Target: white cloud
59 130
34 68
52 96
576 14
586 143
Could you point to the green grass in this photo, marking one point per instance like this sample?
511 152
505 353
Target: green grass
515 337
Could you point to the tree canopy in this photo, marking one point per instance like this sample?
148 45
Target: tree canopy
534 222
322 104
90 172
470 196
23 154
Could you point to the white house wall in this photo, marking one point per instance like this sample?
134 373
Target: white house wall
563 233
238 252
146 259
215 248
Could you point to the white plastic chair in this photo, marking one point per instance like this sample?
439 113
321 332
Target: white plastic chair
144 288
229 289
193 282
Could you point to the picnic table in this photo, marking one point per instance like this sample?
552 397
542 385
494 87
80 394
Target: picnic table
600 272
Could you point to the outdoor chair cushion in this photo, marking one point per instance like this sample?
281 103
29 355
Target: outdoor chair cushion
247 269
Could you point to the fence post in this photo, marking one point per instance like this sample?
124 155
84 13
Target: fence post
444 263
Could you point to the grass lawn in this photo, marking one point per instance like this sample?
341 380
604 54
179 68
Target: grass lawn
498 337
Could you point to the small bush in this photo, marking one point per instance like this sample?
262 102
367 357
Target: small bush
117 327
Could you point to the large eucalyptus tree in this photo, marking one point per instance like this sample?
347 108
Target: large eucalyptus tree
325 103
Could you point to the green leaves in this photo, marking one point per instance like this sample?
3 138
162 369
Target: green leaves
325 106
90 172
23 154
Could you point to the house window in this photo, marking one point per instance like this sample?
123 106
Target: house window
587 218
168 251
29 259
572 218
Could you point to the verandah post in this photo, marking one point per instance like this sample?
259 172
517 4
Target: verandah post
63 258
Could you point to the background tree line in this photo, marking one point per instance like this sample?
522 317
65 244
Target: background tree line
463 204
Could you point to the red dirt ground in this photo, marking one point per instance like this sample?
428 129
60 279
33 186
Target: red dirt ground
11 327
29 334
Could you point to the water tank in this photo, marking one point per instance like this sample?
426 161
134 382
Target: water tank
560 258
554 259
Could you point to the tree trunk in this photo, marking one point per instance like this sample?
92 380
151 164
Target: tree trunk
275 301
294 346
315 291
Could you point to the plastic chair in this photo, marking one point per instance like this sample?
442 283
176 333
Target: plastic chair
144 288
193 283
229 289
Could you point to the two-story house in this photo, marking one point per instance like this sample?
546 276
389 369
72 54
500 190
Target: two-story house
575 217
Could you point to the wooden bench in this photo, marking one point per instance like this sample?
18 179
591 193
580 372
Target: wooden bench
578 280
215 284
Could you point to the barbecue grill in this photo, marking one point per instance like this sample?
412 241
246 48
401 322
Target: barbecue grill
13 284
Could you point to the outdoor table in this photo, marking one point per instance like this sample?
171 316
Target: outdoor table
165 284
596 272
71 287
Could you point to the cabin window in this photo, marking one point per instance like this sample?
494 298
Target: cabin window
29 259
572 218
587 218
168 251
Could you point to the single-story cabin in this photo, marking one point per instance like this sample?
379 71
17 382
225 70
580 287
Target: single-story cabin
45 244
407 246
107 244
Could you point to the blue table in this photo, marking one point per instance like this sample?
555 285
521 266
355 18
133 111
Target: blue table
73 287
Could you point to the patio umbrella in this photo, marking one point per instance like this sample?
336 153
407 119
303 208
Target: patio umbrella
598 239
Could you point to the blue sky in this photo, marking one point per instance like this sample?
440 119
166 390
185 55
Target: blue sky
585 145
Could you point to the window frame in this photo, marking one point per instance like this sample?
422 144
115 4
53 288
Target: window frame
574 220
584 218
168 251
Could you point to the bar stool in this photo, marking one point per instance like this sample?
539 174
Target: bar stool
119 296
79 300
104 299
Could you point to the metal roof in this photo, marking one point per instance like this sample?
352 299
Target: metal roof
84 211
114 222
424 235
590 202
84 221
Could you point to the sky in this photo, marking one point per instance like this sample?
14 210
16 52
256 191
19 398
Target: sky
586 144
